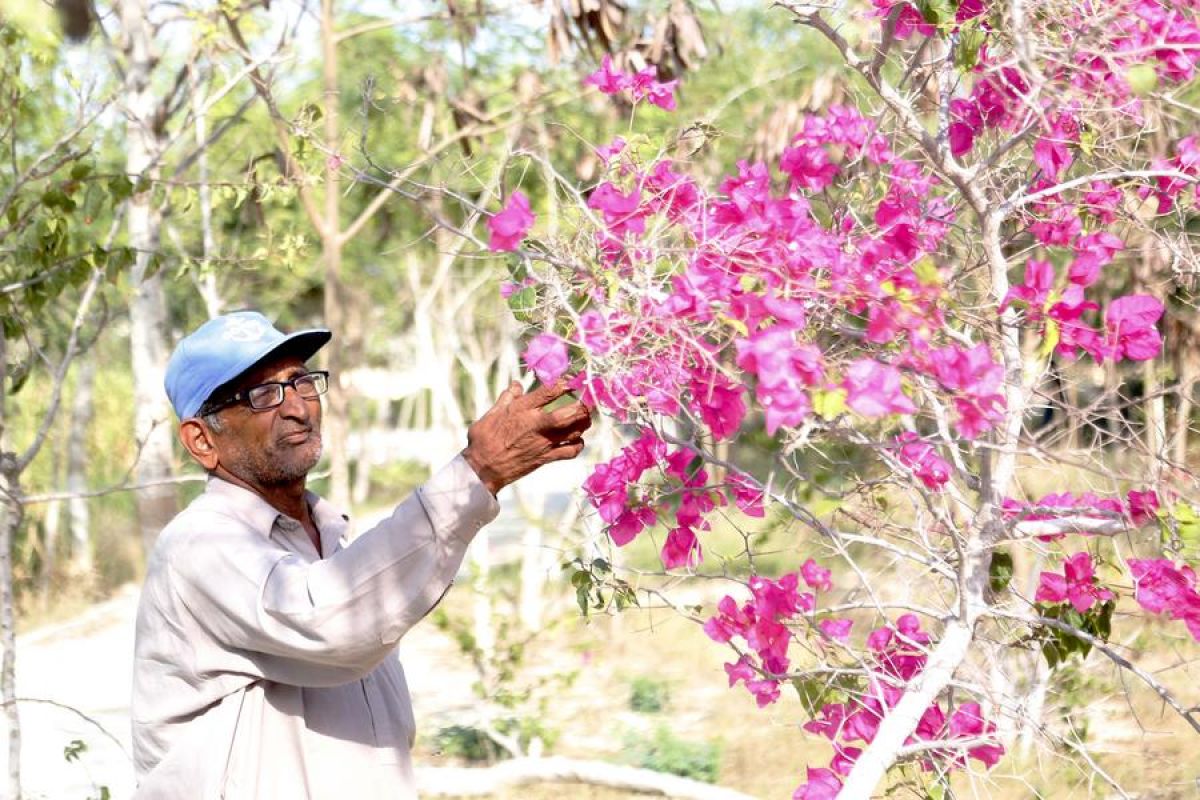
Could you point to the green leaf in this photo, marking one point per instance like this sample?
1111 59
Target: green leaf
1049 339
738 326
522 304
1102 627
1000 571
1187 525
970 41
926 271
812 693
829 403
1142 79
80 171
823 506
120 188
74 749
581 597
1087 141
937 12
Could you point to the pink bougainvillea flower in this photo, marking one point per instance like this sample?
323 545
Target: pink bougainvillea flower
816 576
608 79
508 227
611 150
662 94
1052 151
1093 252
1162 587
1039 282
741 670
747 496
967 722
823 784
838 629
809 166
923 459
1103 201
1130 323
620 209
875 390
546 355
1142 505
1077 584
681 549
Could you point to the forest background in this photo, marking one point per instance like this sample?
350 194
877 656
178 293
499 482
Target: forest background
332 163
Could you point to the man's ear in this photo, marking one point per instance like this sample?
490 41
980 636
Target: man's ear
198 438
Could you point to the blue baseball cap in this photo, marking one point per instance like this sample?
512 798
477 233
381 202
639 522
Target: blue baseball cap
225 347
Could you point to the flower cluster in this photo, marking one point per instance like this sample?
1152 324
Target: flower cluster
1139 507
1163 587
763 624
830 293
641 85
508 226
897 655
1076 584
682 496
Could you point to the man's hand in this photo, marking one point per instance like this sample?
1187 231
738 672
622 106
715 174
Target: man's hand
517 435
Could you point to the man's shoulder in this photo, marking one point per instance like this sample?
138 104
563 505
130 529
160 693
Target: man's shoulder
205 518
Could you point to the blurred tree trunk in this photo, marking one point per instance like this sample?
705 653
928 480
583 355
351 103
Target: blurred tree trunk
51 526
156 505
331 249
1185 351
206 282
10 518
77 458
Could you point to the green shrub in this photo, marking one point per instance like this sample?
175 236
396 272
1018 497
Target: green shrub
468 743
663 751
648 695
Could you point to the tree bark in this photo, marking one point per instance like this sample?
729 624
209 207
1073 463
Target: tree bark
207 280
336 421
77 506
148 307
10 517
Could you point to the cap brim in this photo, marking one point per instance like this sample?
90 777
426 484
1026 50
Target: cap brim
301 344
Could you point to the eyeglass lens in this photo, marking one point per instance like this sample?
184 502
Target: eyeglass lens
269 395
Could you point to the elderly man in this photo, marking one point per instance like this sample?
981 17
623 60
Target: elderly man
262 664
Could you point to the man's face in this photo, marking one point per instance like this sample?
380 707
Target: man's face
273 446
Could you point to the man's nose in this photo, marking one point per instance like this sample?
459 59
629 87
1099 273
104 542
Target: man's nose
294 405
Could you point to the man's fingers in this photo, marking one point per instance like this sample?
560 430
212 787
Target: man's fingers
547 393
568 416
566 450
508 395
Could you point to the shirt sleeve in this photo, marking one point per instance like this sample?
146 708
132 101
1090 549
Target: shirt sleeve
330 621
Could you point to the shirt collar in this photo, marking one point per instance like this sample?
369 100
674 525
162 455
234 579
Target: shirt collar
261 515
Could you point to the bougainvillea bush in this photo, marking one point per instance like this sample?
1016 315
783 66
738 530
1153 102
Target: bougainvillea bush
897 300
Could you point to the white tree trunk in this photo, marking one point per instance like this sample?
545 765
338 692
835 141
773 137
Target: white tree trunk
77 483
9 518
533 556
153 421
207 281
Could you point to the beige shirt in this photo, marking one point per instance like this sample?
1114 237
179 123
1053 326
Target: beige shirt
261 670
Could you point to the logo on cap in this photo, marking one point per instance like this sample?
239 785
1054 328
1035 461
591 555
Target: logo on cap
244 330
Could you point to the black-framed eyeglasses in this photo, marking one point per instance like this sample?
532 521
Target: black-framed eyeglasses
309 386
